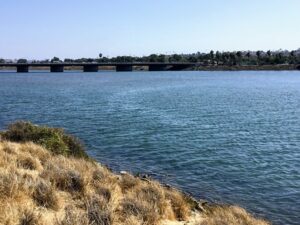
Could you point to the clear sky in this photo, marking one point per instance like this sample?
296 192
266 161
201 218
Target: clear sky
77 28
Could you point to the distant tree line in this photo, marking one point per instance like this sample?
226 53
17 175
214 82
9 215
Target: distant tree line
236 58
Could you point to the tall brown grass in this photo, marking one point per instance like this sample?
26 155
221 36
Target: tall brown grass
39 187
231 215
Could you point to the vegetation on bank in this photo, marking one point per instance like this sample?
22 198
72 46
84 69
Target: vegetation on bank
235 58
53 139
40 186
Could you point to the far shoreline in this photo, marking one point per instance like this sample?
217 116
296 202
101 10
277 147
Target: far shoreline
281 67
250 68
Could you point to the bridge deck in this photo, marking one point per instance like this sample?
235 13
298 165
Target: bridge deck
95 64
93 67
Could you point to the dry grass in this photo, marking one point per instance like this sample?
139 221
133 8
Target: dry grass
45 195
38 188
29 217
230 215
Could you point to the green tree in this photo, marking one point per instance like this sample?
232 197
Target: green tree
153 58
178 58
200 57
279 59
232 58
218 57
161 58
68 60
225 58
212 55
175 58
22 61
192 58
55 59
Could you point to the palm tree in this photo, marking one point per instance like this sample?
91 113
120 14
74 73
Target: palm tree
292 57
218 57
258 55
248 54
239 57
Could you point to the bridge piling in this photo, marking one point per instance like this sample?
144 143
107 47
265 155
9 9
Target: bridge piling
159 67
22 69
90 68
56 68
179 67
123 68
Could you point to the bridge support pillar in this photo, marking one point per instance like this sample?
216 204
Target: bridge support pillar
90 68
123 68
179 67
22 69
158 67
56 68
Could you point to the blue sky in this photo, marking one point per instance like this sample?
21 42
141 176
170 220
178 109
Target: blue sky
78 28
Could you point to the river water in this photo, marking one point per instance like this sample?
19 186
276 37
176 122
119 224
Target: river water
230 137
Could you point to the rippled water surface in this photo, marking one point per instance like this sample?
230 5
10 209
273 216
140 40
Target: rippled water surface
224 136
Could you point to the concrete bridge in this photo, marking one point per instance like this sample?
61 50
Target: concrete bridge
94 67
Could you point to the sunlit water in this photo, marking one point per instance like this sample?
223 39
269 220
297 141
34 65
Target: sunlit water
229 137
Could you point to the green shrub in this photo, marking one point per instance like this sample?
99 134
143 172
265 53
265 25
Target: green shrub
53 139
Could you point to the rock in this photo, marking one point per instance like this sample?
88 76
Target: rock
123 172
